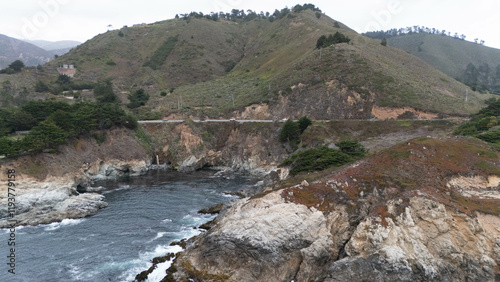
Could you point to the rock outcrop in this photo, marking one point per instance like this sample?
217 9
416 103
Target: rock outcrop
52 187
57 198
398 216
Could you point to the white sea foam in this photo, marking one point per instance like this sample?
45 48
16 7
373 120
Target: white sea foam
159 273
158 236
64 222
144 263
122 187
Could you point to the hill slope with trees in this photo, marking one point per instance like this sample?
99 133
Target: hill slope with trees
474 64
221 64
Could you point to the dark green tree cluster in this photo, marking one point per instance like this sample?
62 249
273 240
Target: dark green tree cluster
14 67
103 92
412 30
352 148
483 124
325 41
62 83
52 123
291 131
137 99
240 15
323 157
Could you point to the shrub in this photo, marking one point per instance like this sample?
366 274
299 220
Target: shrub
304 122
324 41
138 98
16 66
315 159
290 131
103 92
352 148
490 136
40 86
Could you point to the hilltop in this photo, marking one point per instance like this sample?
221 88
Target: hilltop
194 65
474 64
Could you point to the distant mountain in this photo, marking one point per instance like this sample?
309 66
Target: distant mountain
474 64
55 47
12 49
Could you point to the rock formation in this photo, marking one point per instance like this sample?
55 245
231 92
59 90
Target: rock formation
398 216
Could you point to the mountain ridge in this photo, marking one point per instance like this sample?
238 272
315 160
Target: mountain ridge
223 66
474 64
12 49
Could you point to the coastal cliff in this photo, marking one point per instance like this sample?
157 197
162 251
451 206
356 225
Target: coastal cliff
422 211
58 186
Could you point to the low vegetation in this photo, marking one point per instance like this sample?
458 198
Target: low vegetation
321 158
291 131
484 125
14 67
336 38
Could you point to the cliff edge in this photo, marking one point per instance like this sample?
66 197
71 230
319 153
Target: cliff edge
425 210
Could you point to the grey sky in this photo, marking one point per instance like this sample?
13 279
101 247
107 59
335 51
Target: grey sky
83 19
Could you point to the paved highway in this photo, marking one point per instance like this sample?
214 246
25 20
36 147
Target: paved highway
208 120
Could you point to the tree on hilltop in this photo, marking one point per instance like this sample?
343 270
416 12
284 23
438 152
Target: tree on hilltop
17 65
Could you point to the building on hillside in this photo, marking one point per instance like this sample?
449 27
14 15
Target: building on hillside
68 70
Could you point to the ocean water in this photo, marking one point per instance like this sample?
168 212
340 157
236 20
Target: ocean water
144 215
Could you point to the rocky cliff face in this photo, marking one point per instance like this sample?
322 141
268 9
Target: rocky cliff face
250 147
401 215
52 187
48 181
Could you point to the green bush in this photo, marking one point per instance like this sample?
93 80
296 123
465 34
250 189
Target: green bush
490 136
481 122
315 159
304 123
324 41
352 148
138 98
103 92
289 132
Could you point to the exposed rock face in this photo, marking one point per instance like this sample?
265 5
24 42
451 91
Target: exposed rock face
243 147
48 186
54 199
267 239
363 223
114 169
46 202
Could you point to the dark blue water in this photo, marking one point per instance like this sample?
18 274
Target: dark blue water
144 216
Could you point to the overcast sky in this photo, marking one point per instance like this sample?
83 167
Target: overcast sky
83 19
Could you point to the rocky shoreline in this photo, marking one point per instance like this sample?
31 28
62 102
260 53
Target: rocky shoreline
73 196
354 226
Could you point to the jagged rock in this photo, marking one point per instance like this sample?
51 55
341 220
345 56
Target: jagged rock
270 239
55 199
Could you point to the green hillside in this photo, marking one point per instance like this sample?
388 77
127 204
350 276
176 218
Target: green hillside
474 64
195 65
